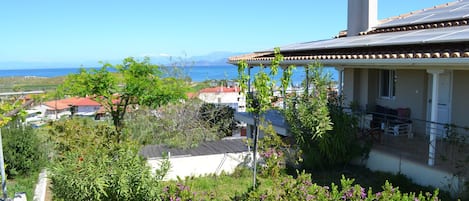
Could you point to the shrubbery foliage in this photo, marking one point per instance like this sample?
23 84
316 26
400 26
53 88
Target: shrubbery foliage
218 116
175 125
323 132
103 175
302 188
96 164
21 149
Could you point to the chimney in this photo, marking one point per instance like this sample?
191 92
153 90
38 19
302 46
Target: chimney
362 16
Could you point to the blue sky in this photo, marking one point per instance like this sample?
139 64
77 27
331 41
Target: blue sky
92 30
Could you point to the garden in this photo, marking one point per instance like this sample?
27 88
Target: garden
99 160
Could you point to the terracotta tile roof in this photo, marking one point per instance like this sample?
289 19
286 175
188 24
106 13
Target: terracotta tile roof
56 105
249 56
191 95
73 101
79 101
219 90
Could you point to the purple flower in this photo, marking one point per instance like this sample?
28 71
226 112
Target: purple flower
378 194
362 193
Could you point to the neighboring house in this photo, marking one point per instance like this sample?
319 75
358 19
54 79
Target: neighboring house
229 96
83 106
418 60
57 109
208 158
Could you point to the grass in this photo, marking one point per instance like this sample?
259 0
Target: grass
9 84
23 184
224 187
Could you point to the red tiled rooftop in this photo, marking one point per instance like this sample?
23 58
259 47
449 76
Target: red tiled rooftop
57 105
78 101
219 90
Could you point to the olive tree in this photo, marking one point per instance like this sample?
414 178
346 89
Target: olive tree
134 83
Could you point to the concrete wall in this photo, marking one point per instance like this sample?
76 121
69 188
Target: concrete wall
460 105
411 92
349 83
186 166
419 173
228 98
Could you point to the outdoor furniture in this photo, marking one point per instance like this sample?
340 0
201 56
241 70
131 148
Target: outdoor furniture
394 121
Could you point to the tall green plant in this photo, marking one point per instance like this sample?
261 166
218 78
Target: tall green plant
135 83
259 101
93 166
307 113
22 150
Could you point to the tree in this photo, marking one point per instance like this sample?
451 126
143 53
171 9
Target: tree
259 101
135 83
220 117
8 112
176 125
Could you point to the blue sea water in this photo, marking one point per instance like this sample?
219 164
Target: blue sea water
196 73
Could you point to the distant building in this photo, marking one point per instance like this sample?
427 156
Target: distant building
229 96
56 109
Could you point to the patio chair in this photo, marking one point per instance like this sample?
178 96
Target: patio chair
399 123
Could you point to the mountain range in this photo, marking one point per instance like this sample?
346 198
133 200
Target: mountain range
211 59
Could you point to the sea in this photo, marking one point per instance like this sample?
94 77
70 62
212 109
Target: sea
196 73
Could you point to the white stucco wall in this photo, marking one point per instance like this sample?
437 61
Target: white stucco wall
186 166
228 98
87 109
419 173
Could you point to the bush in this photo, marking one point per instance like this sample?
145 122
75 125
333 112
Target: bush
22 152
220 117
103 175
302 188
175 125
94 164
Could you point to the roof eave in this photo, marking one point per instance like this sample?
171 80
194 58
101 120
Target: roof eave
455 63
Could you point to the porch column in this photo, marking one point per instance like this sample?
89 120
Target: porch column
434 115
340 80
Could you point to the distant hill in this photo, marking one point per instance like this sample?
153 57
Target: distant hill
212 59
215 58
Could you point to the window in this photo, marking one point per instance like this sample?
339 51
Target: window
387 83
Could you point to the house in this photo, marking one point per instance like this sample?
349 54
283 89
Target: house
55 109
418 61
208 158
80 106
222 95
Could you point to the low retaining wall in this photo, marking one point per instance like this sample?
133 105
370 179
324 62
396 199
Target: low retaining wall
187 166
421 174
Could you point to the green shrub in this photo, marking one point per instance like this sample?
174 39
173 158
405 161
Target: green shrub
175 125
21 149
302 188
103 175
220 117
95 164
